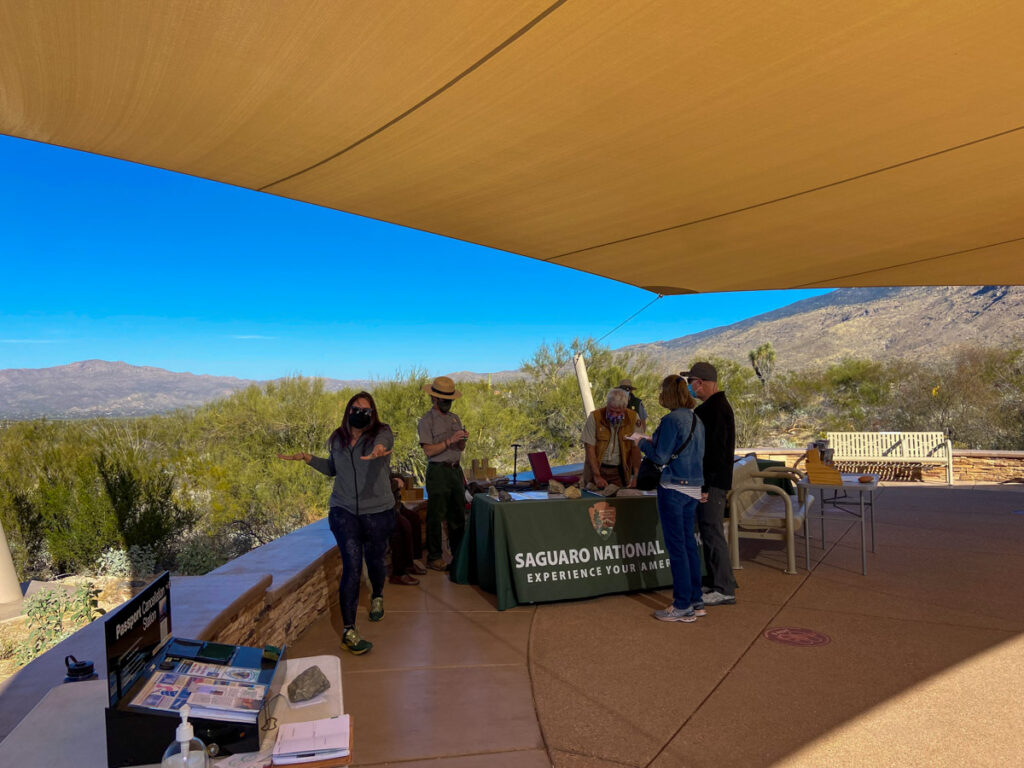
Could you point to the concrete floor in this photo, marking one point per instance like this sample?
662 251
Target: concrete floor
924 663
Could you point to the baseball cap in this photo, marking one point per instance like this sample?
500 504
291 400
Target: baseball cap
702 371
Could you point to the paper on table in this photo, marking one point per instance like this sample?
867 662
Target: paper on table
533 495
246 759
312 740
320 698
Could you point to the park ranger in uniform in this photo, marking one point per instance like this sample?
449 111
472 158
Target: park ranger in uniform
443 439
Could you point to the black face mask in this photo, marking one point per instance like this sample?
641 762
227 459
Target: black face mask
359 418
443 405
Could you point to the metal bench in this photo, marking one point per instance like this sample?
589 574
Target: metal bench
896 447
758 510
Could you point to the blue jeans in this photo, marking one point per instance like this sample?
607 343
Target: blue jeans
678 515
356 535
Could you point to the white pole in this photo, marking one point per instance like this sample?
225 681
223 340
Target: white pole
584 382
10 587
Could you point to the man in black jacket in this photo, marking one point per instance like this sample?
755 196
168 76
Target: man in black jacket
719 452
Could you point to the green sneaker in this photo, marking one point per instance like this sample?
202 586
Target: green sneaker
355 644
376 609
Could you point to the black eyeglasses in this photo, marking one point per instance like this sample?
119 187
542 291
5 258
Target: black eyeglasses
362 411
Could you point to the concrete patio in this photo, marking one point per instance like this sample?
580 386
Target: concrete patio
922 661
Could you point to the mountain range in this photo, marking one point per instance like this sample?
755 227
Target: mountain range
874 323
102 388
921 323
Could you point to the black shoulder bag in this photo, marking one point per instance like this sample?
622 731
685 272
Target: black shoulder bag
649 475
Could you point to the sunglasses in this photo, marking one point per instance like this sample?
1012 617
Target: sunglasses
362 411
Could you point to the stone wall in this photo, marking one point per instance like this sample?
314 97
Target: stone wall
982 467
241 627
969 467
280 615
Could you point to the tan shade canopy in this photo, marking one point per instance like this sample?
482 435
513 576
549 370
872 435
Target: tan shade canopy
677 146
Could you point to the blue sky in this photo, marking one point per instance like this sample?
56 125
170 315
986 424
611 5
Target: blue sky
105 259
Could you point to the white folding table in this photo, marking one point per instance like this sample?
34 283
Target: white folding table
862 508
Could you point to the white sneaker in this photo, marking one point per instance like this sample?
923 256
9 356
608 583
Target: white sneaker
717 598
676 614
705 590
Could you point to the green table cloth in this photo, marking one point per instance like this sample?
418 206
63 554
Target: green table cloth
562 549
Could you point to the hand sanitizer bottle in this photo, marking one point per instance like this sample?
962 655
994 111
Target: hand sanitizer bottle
186 751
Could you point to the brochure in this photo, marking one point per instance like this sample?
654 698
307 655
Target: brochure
212 697
198 669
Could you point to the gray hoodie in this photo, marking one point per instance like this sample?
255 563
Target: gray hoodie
360 486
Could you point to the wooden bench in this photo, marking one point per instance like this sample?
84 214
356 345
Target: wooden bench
897 447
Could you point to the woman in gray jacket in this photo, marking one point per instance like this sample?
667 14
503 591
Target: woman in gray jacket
361 507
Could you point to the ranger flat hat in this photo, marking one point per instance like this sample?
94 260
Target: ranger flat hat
442 387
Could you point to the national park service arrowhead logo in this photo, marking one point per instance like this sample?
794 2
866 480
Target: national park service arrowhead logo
602 517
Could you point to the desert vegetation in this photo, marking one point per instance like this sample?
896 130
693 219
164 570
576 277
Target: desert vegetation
192 489
99 504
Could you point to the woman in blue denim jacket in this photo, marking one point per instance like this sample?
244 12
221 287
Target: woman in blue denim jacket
678 494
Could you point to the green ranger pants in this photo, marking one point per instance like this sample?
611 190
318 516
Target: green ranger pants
446 500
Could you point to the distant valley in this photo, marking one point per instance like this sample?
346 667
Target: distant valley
875 323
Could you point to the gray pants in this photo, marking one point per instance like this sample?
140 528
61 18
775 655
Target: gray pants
716 551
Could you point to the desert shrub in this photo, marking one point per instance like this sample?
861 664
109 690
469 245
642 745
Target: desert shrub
134 562
143 503
9 644
113 562
46 613
84 604
976 397
53 615
144 558
23 525
200 554
78 520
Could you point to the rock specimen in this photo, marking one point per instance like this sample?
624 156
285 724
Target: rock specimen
309 684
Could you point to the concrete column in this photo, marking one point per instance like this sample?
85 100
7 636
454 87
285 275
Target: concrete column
584 381
10 587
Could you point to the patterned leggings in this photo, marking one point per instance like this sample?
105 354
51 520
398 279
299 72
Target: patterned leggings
356 534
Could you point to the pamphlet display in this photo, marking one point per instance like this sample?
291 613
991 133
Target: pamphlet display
209 695
151 675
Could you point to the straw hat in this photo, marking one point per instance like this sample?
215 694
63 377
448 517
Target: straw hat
442 387
626 384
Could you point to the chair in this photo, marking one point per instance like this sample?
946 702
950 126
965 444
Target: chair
758 510
542 470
